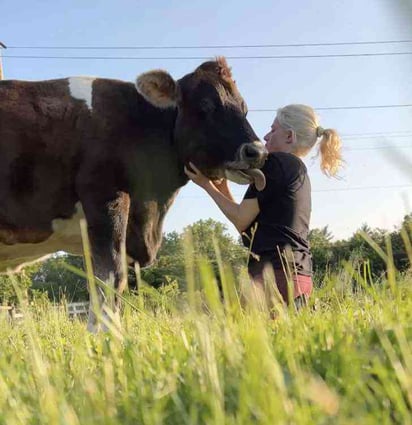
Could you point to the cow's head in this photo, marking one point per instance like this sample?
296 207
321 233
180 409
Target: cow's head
211 128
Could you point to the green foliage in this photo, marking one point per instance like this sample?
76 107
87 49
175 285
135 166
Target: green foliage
321 248
176 362
170 266
191 358
58 282
14 285
329 256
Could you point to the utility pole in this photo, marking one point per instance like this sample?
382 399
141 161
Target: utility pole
2 46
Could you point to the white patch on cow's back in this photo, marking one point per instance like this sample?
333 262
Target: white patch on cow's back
82 88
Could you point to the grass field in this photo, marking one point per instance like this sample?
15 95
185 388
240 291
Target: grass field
189 359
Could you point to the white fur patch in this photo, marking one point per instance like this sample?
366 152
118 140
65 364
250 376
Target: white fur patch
70 226
82 88
66 236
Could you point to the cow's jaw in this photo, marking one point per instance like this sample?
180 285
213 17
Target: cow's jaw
246 168
247 176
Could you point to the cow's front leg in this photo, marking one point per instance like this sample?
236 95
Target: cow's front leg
107 225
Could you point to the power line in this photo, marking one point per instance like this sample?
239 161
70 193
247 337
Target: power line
343 55
372 138
406 133
215 46
378 145
348 189
328 108
378 148
344 189
257 110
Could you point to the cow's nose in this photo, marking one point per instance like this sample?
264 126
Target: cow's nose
253 152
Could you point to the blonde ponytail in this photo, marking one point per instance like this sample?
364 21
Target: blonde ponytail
302 120
330 152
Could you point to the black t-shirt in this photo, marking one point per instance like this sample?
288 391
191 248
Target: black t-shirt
282 225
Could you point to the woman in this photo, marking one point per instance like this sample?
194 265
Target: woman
274 222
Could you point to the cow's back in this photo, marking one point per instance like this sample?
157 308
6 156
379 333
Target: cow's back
52 134
39 145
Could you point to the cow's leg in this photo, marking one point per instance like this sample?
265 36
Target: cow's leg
107 225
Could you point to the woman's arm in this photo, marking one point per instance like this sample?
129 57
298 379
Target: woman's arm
222 186
241 215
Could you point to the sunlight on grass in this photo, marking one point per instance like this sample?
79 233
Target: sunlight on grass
195 358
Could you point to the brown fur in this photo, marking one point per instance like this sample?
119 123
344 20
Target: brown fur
121 159
218 71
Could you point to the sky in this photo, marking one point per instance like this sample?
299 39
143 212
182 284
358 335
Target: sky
374 187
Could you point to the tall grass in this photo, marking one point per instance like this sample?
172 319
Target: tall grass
191 359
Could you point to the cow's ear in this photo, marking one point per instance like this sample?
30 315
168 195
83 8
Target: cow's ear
158 88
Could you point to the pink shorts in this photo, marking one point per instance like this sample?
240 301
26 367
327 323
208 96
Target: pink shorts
302 284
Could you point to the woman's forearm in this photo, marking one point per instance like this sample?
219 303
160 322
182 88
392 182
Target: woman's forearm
226 203
224 189
241 215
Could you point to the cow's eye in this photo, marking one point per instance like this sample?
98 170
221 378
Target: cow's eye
207 106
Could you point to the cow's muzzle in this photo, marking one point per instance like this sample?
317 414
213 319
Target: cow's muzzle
254 154
245 169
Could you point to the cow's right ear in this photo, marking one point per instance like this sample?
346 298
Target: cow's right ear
158 88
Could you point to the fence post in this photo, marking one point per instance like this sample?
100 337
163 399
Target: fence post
2 46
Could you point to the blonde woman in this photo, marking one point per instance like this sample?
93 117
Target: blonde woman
274 222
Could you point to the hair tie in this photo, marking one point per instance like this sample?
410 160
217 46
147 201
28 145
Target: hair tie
320 131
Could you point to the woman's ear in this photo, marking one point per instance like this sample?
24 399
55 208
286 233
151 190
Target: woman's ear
290 137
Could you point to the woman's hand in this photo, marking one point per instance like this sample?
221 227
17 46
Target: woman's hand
222 186
197 177
241 215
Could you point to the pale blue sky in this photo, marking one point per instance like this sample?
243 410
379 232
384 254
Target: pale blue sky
264 83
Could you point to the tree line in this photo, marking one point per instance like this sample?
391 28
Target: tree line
210 240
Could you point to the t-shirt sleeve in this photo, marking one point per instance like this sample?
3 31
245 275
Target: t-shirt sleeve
275 182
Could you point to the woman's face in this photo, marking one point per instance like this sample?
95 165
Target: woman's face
278 139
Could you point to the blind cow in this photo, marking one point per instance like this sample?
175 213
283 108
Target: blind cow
100 149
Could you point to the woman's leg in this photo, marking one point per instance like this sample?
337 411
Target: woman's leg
260 272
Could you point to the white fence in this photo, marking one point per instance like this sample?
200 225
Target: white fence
10 312
73 310
80 310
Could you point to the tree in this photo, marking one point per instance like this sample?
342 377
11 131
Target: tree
59 282
170 265
321 246
20 281
360 250
53 277
401 239
206 233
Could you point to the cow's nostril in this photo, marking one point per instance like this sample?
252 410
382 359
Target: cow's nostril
253 151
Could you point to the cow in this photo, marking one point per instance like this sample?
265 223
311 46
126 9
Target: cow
113 152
